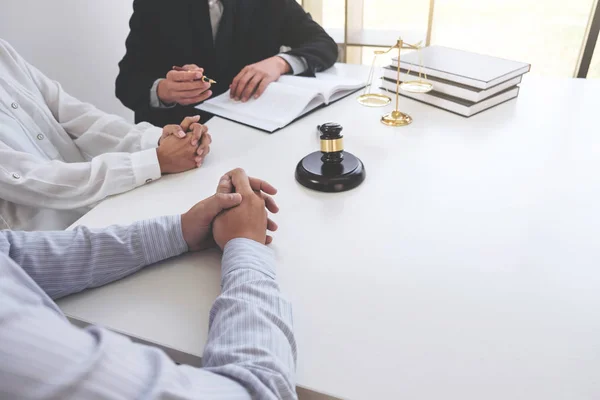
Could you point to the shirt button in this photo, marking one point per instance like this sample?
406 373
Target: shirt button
16 176
40 137
15 105
148 180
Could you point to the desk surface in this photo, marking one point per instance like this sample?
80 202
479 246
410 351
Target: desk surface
465 266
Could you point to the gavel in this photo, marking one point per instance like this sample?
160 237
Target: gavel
332 169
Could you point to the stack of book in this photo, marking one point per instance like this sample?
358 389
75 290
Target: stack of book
464 83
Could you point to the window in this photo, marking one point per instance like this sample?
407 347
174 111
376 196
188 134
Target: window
594 71
382 22
331 14
548 34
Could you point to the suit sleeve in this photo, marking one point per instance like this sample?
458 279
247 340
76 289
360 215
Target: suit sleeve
307 39
136 71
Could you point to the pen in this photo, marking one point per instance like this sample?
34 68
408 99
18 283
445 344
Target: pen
204 77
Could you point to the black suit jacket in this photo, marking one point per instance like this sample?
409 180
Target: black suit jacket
165 33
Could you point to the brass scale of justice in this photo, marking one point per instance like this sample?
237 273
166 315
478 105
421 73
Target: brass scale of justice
334 170
396 117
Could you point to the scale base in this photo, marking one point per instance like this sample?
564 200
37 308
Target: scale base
315 174
396 118
374 100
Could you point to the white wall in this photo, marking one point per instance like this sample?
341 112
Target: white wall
76 42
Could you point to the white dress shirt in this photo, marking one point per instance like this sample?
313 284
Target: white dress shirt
250 351
215 8
59 156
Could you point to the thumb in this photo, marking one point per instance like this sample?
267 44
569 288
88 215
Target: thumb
222 201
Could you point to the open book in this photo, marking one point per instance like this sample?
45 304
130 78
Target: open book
283 101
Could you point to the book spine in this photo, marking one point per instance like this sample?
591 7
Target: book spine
438 86
465 111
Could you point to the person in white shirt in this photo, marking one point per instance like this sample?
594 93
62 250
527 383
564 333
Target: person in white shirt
60 156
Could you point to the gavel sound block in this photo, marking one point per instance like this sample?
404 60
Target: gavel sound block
332 169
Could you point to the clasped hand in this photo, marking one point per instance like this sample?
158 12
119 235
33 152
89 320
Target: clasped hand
177 155
238 209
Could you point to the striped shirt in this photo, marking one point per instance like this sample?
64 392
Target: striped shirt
250 352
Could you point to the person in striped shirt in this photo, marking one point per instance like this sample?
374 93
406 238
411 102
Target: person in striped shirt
250 351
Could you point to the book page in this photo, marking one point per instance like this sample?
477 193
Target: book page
279 105
330 86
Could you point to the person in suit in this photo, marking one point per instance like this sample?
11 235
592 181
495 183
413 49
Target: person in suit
237 43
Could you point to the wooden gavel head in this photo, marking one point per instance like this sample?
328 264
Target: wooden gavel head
332 142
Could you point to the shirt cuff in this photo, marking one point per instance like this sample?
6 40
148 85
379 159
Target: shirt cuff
162 238
151 136
297 64
145 166
247 254
155 101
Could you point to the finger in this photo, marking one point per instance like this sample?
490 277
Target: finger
269 239
225 185
272 225
203 153
189 88
241 182
188 121
197 132
241 84
183 76
270 203
220 202
173 130
258 184
192 67
205 142
192 94
199 161
228 200
187 67
251 87
262 87
244 81
195 100
236 81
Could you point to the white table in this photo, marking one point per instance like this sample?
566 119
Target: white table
466 266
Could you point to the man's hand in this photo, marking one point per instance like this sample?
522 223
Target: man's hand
175 155
254 79
198 134
184 85
179 130
248 220
197 223
200 139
